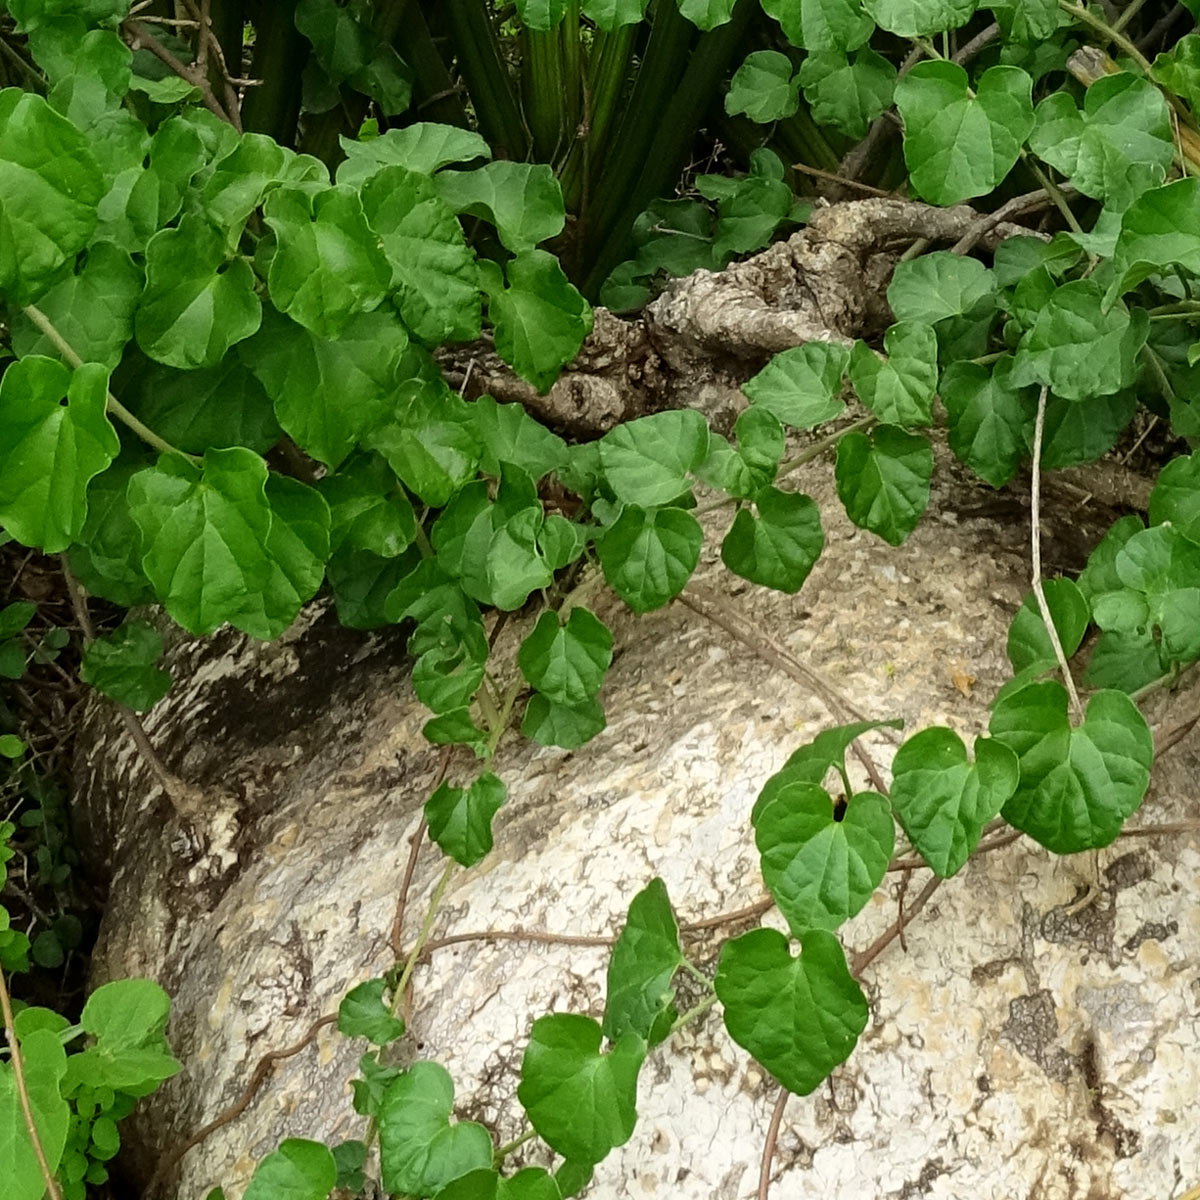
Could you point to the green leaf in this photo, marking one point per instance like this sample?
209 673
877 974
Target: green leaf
1160 229
196 303
648 555
14 617
522 200
11 746
800 386
1100 574
363 1012
799 1017
241 180
915 18
820 867
763 88
298 1170
341 39
1176 496
815 25
92 309
761 445
1126 660
541 15
707 14
530 1183
328 265
750 209
567 662
45 1062
30 14
420 1149
50 185
847 93
582 1103
1078 784
1028 640
1163 566
991 421
54 437
647 461
425 147
368 508
1077 347
610 15
562 725
508 434
460 819
958 146
328 392
1117 147
780 545
939 285
1078 433
942 800
107 558
205 534
644 961
883 480
899 388
127 1013
123 665
540 319
434 277
1028 21
364 583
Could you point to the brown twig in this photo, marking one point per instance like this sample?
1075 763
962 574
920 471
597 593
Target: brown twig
240 1105
843 180
143 38
731 918
900 908
977 43
18 1065
1029 202
764 1170
864 958
517 935
396 941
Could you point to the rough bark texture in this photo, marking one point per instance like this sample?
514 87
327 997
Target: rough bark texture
706 334
1018 1048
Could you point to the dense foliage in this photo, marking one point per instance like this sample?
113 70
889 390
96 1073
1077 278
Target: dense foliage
223 302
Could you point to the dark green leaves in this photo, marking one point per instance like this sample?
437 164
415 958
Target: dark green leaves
1176 496
1160 229
822 867
363 1012
957 145
124 666
898 388
582 1102
647 461
1078 784
847 93
298 1170
648 555
49 188
460 819
567 662
800 386
943 801
420 1149
991 420
1029 644
54 437
45 1063
777 545
883 480
799 1017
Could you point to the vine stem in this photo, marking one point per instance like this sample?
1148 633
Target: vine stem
502 1152
1035 540
113 405
1113 35
435 903
764 1171
18 1064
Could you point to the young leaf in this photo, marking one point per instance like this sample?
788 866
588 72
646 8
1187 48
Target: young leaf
899 388
425 147
780 545
1117 147
364 1013
847 93
508 434
1080 348
1080 433
1078 784
1028 641
523 200
107 558
646 461
648 555
327 265
54 438
991 421
45 1064
800 386
958 146
811 762
942 800
123 665
460 819
1176 496
815 25
567 663
582 1103
562 725
883 480
643 963
799 1017
750 209
939 285
420 1149
298 1170
915 18
434 277
50 186
540 319
821 868
763 88
197 303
